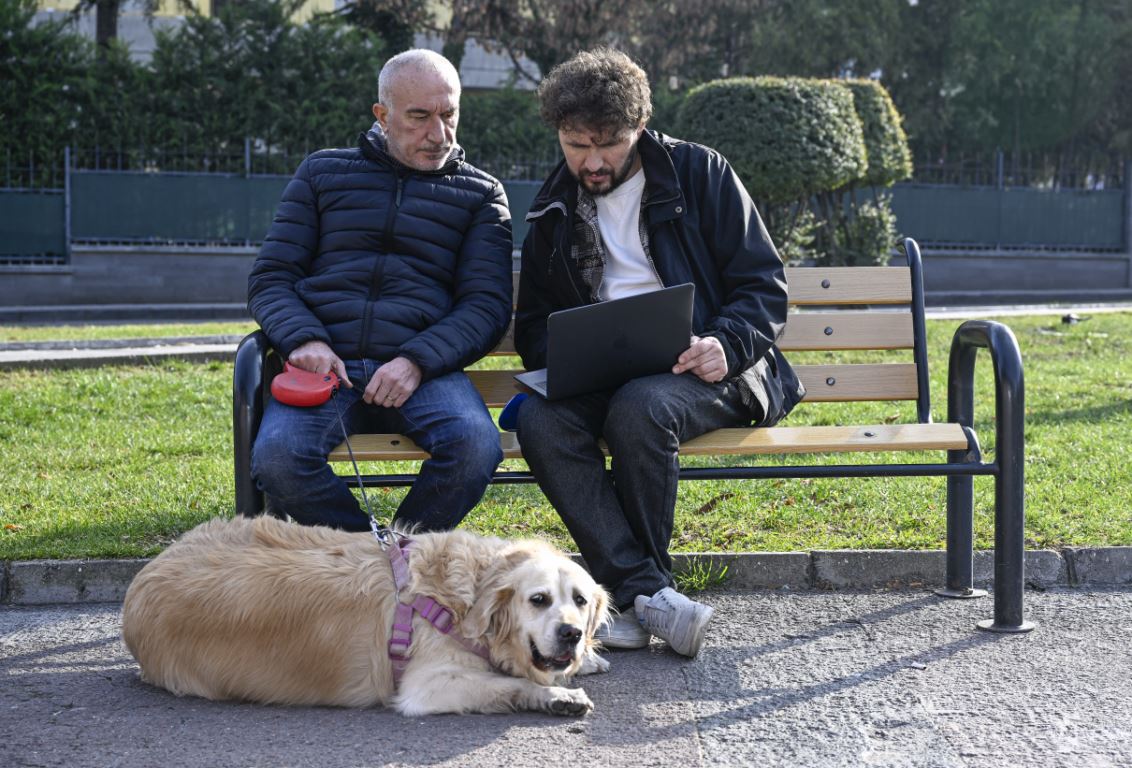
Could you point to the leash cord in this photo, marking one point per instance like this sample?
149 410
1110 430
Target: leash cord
379 532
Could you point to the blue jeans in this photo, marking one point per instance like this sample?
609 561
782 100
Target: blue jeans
622 521
445 417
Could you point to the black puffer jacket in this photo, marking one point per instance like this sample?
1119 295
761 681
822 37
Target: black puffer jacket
703 229
379 260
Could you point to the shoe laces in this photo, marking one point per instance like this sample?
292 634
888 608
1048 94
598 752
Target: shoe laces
658 611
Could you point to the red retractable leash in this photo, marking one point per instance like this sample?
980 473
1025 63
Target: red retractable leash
304 389
294 386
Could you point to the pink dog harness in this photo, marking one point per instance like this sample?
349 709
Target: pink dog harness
401 637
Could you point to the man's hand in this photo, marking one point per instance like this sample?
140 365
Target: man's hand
705 358
394 383
318 357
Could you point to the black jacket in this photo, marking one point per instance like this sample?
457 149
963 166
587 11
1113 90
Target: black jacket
379 260
703 229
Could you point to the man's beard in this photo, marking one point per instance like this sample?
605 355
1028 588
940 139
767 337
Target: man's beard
614 179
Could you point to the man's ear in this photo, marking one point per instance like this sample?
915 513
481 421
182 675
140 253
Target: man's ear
381 112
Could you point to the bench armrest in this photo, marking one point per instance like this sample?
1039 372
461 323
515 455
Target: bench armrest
247 410
1009 464
1009 385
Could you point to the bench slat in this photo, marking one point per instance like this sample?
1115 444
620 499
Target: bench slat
885 437
873 381
495 387
847 330
775 440
861 382
849 285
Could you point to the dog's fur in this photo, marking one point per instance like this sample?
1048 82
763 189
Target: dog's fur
267 611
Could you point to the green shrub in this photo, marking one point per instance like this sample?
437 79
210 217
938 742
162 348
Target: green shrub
866 238
788 138
501 132
45 85
890 159
251 73
793 229
666 111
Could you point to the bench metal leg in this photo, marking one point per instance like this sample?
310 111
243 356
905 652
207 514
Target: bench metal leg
247 410
1009 545
1009 450
960 577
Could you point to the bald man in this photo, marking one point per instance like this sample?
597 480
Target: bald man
388 263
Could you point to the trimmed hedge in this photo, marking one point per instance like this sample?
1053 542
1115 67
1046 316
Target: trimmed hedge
890 158
502 133
787 138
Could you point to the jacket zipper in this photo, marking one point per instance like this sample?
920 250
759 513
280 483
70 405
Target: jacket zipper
377 271
569 274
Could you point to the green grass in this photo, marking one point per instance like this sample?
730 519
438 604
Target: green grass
117 461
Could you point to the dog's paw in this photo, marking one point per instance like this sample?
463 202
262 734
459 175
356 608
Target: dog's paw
572 702
592 663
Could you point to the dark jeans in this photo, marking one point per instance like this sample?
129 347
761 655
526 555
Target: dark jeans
445 417
622 522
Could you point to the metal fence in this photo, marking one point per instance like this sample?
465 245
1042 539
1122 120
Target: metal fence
103 198
197 209
251 157
991 218
1002 170
172 208
31 226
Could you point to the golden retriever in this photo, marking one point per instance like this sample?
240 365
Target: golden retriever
274 612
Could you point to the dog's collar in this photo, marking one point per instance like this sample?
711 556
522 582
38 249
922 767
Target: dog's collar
440 617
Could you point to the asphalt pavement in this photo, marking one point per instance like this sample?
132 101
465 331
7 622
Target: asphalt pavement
798 678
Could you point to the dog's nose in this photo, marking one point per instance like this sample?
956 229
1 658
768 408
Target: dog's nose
568 634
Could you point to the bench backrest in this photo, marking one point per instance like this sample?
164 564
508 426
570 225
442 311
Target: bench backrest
877 308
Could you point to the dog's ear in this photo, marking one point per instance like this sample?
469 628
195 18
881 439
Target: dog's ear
490 614
599 600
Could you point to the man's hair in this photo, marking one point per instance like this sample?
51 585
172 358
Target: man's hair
602 90
418 59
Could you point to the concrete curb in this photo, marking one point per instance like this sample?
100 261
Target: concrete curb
122 313
114 344
53 582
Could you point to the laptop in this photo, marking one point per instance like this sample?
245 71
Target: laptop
602 346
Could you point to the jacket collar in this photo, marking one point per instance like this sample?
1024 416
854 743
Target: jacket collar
664 198
373 146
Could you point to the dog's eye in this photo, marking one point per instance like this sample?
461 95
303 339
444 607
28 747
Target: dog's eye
540 599
579 600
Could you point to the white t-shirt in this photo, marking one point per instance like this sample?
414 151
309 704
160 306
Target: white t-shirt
627 270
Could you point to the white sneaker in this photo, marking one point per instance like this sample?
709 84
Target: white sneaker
623 630
675 619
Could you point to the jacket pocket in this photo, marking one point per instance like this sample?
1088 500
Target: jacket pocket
770 389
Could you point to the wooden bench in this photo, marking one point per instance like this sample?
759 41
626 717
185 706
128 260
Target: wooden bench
841 308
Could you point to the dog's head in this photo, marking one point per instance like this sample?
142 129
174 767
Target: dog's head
538 612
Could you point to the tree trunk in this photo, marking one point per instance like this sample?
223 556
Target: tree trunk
106 21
